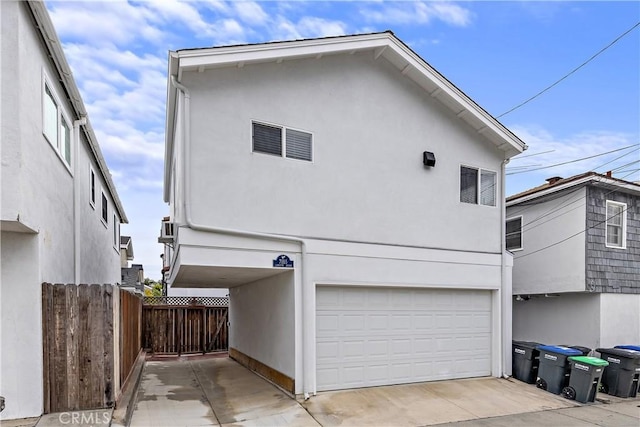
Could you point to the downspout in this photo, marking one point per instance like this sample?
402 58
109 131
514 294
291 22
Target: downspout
506 298
308 371
76 199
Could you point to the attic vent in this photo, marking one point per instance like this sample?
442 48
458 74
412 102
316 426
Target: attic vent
282 141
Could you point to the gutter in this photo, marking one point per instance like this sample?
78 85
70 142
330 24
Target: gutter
308 372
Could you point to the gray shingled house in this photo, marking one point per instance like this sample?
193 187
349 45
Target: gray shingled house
576 274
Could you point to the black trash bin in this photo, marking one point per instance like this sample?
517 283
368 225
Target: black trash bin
526 359
585 377
584 350
622 375
554 369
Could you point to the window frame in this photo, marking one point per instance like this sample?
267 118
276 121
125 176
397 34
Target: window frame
61 145
521 218
116 234
92 187
623 225
283 139
104 209
479 171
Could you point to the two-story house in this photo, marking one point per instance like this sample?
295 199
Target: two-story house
351 199
60 212
576 274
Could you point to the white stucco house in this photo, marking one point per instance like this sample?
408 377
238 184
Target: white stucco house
60 212
576 273
351 199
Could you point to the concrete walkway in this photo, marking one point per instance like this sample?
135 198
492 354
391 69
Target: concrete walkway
218 391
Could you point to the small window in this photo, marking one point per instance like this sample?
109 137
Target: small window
268 139
616 225
105 212
514 234
478 186
116 234
55 126
92 187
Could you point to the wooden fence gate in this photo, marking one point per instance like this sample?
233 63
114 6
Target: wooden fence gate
182 325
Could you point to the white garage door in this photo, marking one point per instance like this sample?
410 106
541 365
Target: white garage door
377 336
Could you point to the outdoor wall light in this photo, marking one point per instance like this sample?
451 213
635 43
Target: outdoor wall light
428 158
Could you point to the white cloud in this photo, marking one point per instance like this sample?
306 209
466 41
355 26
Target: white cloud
251 12
308 27
406 13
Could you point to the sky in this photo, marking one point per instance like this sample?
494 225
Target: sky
498 53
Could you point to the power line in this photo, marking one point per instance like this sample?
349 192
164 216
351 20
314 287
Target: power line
571 72
572 161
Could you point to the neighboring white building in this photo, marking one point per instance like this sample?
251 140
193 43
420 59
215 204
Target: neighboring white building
297 177
60 213
576 274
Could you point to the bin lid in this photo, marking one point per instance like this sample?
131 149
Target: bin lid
589 360
629 347
620 352
527 344
560 349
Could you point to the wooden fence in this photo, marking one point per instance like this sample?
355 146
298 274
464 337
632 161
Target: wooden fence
172 329
77 324
130 332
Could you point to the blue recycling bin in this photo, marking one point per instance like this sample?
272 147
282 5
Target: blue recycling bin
629 347
554 370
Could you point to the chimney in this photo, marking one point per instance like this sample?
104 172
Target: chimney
553 179
608 174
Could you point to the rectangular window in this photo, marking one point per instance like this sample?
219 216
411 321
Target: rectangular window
92 187
616 225
116 234
514 233
478 186
105 212
281 141
55 126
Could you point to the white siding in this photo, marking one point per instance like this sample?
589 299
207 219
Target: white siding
366 182
620 319
559 268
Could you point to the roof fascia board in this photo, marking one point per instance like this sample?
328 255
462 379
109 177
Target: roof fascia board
586 180
52 43
172 93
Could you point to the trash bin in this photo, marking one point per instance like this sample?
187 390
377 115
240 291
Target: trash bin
629 347
554 369
526 359
584 350
585 377
622 375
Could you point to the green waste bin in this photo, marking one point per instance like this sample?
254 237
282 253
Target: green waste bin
622 376
585 377
526 359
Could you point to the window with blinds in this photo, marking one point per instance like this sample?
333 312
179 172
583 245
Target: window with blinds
282 141
478 186
514 233
616 224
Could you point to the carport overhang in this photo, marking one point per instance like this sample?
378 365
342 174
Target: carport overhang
199 267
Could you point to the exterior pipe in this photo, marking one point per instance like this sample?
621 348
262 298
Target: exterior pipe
505 291
76 199
307 300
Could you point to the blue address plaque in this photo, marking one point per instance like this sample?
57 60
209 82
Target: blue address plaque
283 261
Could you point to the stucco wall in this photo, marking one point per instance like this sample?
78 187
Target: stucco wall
571 319
611 269
367 182
197 292
540 267
262 323
21 326
620 320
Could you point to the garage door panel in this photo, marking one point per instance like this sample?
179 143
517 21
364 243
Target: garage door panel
438 334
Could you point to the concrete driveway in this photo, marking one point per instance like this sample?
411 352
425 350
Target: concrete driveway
204 391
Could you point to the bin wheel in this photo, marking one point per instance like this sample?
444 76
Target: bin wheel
569 393
540 383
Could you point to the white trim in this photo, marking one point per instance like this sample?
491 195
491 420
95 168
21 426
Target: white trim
623 225
62 116
283 139
521 233
92 191
116 234
104 201
478 185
